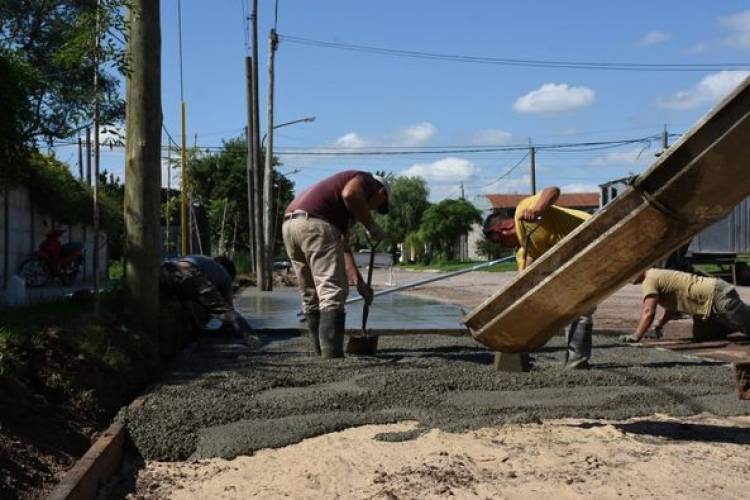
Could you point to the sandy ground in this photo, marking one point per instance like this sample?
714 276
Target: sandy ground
698 456
658 457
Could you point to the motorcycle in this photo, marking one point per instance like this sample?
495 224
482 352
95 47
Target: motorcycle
53 260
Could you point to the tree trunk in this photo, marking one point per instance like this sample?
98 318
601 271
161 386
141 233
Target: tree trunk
143 162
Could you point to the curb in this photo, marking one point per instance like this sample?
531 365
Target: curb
104 458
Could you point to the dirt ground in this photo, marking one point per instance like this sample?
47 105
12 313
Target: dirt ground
697 455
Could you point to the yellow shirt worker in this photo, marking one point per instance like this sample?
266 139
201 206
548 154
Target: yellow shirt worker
537 226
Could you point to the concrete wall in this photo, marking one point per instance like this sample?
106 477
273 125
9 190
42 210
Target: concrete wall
22 229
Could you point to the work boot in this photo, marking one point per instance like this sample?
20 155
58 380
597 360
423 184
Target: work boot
313 323
578 340
331 334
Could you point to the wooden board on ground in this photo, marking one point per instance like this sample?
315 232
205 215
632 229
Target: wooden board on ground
693 184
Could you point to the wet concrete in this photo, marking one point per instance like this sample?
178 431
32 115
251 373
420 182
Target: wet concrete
278 310
226 400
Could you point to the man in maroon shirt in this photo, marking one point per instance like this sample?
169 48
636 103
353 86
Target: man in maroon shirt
316 230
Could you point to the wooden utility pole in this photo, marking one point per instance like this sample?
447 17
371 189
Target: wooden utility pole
88 156
96 265
260 270
249 162
664 139
167 214
143 162
184 222
80 158
269 237
532 153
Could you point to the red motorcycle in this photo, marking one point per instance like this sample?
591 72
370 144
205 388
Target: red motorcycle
53 260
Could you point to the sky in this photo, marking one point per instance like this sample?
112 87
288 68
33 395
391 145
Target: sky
373 101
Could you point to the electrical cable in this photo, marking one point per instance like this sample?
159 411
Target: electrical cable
533 63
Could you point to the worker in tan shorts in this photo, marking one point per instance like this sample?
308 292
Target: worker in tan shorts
316 229
714 304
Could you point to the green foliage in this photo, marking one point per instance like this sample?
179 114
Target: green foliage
16 113
53 43
55 192
444 223
219 178
490 249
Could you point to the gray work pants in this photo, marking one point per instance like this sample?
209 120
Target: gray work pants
578 336
729 309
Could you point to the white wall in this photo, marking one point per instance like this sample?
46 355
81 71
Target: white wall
25 230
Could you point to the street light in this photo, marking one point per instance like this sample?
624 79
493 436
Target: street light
301 120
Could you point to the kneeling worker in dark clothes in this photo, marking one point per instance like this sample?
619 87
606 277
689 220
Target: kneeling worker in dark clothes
316 230
713 303
205 282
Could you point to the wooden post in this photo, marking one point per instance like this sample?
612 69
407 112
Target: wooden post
88 155
97 276
249 161
268 205
257 171
142 162
80 158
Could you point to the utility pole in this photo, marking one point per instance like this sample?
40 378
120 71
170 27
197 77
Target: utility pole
88 156
664 139
462 190
97 276
142 161
532 153
167 215
80 158
269 237
249 161
260 270
184 227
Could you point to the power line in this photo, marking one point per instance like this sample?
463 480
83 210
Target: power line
505 174
502 61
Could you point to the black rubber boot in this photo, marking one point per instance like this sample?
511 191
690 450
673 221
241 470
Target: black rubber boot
313 324
579 341
331 334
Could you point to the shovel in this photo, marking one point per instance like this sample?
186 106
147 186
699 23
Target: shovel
365 345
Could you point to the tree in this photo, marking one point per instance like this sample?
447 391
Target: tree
219 178
407 204
445 222
53 43
16 113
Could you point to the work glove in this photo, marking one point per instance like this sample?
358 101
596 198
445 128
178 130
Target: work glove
375 232
628 339
365 291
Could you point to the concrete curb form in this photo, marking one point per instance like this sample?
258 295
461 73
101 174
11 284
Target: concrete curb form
99 463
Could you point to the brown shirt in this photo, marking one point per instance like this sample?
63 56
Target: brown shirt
324 201
678 291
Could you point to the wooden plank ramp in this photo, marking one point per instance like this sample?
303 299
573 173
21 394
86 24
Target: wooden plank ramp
695 183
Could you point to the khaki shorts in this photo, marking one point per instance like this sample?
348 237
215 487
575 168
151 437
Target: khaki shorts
316 251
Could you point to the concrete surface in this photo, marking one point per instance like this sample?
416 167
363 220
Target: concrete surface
227 399
277 310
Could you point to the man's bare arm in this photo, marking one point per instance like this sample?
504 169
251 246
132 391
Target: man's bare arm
547 198
354 198
648 312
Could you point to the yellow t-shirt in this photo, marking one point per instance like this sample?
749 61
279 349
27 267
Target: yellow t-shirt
678 291
556 223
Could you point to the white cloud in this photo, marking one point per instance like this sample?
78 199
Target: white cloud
698 48
709 90
739 25
519 185
491 136
579 188
415 135
614 158
554 98
654 38
351 140
444 171
569 131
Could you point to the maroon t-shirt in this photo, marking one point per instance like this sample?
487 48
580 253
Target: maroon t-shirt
324 201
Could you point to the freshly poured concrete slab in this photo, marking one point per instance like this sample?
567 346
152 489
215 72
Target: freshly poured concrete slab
693 184
277 311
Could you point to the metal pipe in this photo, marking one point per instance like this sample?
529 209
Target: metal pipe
434 278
